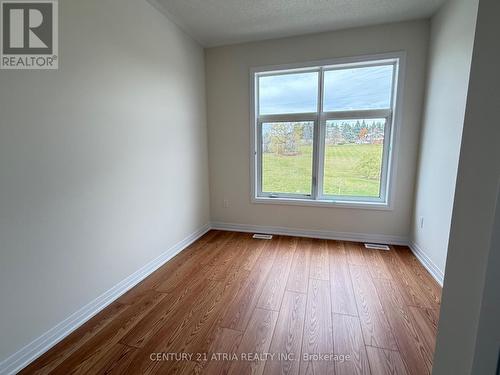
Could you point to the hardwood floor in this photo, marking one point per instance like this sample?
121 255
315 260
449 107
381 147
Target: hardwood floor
231 304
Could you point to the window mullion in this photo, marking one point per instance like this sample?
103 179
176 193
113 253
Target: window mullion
319 145
258 151
385 156
357 114
286 117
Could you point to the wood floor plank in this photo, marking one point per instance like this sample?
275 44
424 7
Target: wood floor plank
287 338
426 280
173 329
200 332
433 317
256 339
342 293
426 327
216 245
228 292
414 350
385 362
319 260
240 310
374 324
348 341
152 322
51 359
317 337
187 270
408 284
180 367
336 251
299 272
226 342
115 361
202 328
273 291
91 353
229 256
376 265
253 254
160 314
354 252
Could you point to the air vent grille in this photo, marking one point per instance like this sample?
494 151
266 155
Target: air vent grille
262 236
376 246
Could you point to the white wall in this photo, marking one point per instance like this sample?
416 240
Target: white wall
469 334
450 53
103 163
227 70
486 356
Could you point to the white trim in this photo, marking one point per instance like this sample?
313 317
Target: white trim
429 265
396 129
359 61
323 234
40 345
331 203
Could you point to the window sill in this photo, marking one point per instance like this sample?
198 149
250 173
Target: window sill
382 206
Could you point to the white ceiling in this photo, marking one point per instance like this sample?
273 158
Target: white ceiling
218 22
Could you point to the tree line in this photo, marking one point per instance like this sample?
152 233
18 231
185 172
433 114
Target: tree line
286 138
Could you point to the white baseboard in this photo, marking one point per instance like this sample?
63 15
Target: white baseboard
37 347
329 235
429 265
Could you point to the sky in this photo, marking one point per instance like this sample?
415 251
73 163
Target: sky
345 89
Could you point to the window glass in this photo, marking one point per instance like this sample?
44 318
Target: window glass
287 155
288 93
358 88
353 157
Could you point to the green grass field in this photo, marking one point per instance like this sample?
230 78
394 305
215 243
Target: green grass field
350 169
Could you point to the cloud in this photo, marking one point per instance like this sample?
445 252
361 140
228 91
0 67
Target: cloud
345 89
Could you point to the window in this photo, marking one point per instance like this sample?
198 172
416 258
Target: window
322 134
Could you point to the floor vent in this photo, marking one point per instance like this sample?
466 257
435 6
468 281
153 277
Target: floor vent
376 246
263 236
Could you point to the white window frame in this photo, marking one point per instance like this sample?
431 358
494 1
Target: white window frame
319 118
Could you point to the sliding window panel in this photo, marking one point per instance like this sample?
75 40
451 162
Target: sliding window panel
353 158
286 156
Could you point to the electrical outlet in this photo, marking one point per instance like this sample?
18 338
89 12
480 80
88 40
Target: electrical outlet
421 222
225 203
